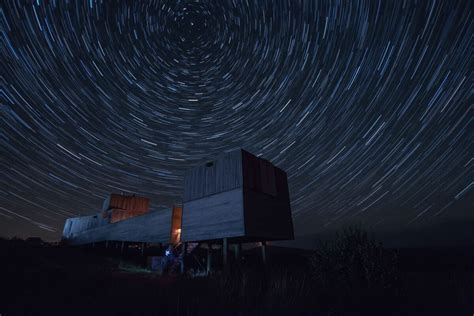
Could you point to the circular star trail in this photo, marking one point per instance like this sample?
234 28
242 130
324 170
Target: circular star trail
367 105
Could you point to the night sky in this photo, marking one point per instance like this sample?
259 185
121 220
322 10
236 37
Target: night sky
367 105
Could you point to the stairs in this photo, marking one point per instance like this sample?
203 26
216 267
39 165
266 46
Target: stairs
191 246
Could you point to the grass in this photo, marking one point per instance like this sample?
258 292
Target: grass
352 275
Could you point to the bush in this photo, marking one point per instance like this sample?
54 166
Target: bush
353 268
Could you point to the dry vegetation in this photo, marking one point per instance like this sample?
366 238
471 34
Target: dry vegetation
352 275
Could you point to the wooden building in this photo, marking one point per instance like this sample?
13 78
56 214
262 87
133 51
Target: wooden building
125 218
238 196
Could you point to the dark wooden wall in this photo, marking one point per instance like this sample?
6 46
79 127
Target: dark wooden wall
268 216
258 174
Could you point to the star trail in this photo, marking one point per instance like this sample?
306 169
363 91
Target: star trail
366 104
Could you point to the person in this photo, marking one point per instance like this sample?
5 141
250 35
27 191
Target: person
168 260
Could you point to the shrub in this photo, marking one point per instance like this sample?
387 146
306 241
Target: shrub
353 268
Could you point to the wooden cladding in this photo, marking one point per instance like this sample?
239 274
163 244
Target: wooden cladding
150 227
238 196
121 207
230 171
127 202
75 225
176 218
221 175
120 215
213 217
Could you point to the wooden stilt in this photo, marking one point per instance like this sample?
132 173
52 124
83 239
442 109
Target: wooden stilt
264 253
106 244
238 250
209 258
121 248
183 254
224 250
143 248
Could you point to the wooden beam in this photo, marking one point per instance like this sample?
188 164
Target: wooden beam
264 253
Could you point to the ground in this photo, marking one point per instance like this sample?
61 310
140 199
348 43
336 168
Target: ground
58 280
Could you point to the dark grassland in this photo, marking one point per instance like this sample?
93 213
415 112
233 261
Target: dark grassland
352 275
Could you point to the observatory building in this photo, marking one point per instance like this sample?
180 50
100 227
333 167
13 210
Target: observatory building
236 198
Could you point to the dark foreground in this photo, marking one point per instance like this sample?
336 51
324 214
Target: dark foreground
350 277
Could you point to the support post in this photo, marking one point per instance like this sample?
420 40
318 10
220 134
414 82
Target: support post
209 258
224 250
106 244
238 250
143 248
183 254
121 248
264 253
